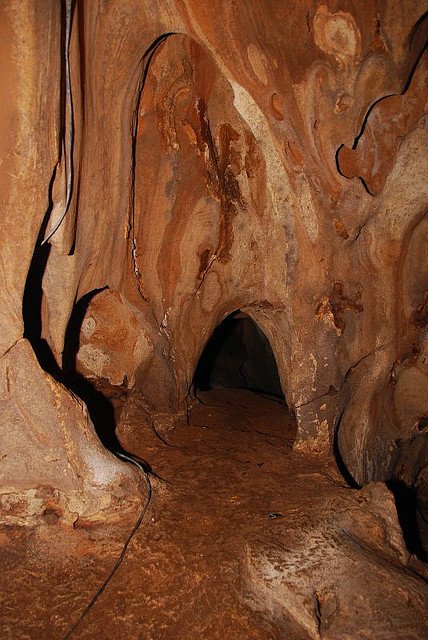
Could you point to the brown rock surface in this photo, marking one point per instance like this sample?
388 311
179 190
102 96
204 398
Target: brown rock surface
243 538
268 157
69 477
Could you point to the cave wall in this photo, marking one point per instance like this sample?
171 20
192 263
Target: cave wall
266 156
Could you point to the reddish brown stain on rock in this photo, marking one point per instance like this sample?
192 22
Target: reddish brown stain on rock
340 228
337 304
277 106
420 316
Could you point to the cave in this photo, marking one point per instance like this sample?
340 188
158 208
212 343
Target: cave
238 356
213 313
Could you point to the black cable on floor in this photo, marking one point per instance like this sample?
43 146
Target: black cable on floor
119 560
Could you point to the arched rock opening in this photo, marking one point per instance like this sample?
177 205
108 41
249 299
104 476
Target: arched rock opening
238 355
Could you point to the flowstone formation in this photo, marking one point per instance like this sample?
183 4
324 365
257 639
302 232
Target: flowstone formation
209 158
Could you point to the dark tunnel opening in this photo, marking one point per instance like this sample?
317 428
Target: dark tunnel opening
238 356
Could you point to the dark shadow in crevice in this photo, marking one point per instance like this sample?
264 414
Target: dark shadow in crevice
33 295
238 355
407 509
405 502
72 333
417 40
100 407
351 482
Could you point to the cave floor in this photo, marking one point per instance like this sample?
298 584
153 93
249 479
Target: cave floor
244 538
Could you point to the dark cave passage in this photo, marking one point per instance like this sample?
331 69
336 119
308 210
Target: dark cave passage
239 356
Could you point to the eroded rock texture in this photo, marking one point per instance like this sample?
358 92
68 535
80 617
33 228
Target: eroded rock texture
262 156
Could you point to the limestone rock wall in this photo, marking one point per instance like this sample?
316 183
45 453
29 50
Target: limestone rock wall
263 156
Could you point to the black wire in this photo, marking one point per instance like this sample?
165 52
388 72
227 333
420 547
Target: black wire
69 99
119 560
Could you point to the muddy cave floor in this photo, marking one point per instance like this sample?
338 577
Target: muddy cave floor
243 539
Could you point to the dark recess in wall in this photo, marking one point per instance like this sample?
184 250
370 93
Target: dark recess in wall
99 406
238 355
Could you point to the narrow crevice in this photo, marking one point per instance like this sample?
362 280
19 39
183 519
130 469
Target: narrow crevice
407 510
100 408
332 391
416 32
213 258
72 333
33 295
317 611
338 456
360 360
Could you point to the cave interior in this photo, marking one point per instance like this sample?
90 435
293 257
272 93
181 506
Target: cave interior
214 319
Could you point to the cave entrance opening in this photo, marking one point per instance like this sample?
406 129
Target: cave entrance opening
238 356
238 391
